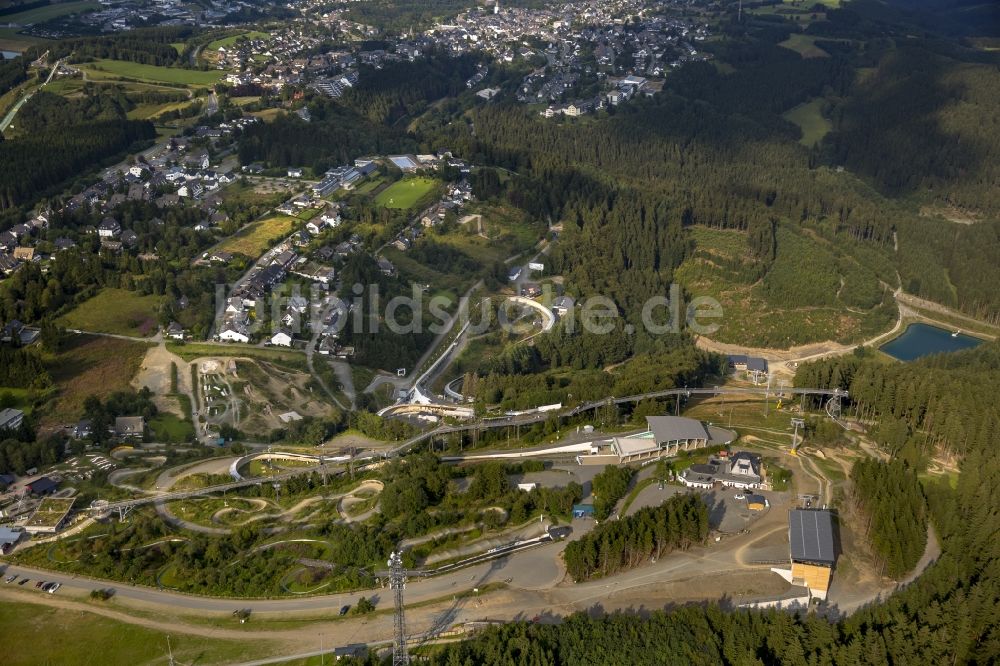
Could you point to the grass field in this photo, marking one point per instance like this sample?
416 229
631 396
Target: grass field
147 111
49 12
254 239
91 365
134 70
115 311
30 638
267 115
804 45
809 118
11 40
170 428
229 41
406 193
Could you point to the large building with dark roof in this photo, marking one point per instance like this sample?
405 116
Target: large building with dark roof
666 436
812 549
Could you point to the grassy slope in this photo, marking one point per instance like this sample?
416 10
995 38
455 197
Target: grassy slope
30 637
257 237
804 45
805 275
91 365
133 70
229 41
115 311
809 118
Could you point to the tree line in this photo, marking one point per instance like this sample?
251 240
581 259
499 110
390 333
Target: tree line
651 532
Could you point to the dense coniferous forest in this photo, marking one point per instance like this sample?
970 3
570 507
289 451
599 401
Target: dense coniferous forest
404 88
58 138
148 46
942 402
889 496
617 545
335 135
608 487
21 369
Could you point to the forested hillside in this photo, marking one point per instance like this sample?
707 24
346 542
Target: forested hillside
948 615
891 501
940 402
912 132
58 138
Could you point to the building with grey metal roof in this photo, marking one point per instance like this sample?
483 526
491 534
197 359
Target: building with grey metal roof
669 429
810 536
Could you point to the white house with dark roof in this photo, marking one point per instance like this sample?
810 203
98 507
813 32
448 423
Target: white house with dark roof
109 228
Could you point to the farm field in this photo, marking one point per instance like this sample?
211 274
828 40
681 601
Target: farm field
809 118
12 40
254 239
406 193
91 365
30 639
49 12
133 70
115 311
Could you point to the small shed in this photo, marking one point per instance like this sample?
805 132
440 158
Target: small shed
756 502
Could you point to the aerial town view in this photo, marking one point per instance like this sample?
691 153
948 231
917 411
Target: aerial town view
469 332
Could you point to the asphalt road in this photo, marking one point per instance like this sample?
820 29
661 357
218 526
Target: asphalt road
535 568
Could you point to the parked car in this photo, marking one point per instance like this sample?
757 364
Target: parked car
344 609
739 496
11 578
23 581
39 584
54 587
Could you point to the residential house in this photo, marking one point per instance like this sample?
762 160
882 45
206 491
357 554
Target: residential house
234 331
283 338
109 228
175 331
131 427
11 419
8 264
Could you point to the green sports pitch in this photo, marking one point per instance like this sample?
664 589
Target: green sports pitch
406 193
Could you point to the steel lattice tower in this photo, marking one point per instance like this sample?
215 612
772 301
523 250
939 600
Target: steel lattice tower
397 582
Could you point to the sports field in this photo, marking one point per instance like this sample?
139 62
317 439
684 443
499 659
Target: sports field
406 193
115 311
49 12
134 70
255 238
